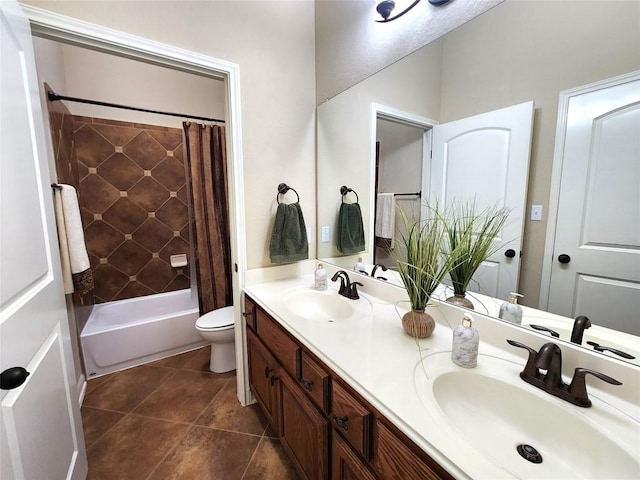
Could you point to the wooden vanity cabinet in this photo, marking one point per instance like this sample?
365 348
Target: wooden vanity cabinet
326 428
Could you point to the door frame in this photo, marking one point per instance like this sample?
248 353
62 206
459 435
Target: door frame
393 114
65 29
564 98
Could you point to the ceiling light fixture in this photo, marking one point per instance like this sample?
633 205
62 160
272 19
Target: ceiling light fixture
385 8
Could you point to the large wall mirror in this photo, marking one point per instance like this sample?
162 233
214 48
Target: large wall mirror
514 53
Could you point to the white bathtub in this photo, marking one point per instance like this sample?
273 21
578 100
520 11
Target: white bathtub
131 332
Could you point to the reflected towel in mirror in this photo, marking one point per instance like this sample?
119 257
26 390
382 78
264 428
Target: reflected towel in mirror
386 216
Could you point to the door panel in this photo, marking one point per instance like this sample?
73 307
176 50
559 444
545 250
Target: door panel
598 216
486 158
40 419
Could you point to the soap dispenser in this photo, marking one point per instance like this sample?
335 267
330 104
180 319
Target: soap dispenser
464 350
321 278
510 310
359 266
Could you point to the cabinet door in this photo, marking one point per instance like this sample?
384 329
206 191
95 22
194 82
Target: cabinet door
345 464
305 432
264 379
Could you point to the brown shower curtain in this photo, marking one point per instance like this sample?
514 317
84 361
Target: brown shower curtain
206 163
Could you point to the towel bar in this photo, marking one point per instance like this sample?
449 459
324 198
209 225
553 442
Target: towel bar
284 188
344 190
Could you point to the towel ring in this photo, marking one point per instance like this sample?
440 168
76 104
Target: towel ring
284 188
344 190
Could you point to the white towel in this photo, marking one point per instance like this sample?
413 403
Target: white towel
386 216
76 269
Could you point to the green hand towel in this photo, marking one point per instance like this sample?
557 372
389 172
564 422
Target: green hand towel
289 236
350 228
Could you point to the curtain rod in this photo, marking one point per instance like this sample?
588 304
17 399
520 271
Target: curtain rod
54 96
417 194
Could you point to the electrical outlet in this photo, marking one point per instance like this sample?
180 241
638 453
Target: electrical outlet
325 234
309 235
536 213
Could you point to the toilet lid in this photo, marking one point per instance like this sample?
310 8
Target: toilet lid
220 318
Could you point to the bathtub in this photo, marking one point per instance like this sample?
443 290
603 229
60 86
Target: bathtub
130 332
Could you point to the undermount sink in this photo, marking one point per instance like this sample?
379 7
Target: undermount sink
324 306
494 412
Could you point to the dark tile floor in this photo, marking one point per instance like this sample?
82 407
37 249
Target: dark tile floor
174 419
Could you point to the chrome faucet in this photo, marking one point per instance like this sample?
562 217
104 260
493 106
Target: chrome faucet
549 358
347 288
580 324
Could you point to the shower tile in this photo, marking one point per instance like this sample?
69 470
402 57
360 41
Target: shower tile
130 257
170 173
226 413
169 139
95 423
204 454
173 214
145 151
108 281
182 195
149 194
117 123
178 283
120 171
153 235
83 170
176 246
156 275
133 289
270 462
125 215
86 216
183 397
178 154
116 134
102 239
96 194
133 448
91 148
125 390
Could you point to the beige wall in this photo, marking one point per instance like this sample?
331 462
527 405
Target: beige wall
273 43
522 51
351 45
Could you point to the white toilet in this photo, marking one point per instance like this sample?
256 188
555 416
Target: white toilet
217 327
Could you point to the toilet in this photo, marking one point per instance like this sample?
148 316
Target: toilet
217 327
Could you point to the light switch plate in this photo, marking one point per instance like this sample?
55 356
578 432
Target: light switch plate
536 213
309 235
325 234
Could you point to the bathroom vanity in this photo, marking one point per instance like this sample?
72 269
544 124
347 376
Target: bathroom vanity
353 397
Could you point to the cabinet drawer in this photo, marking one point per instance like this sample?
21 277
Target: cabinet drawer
249 312
351 419
315 381
286 351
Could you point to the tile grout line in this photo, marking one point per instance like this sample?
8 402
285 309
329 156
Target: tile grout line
169 452
255 451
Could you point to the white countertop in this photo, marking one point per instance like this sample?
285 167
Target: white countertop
374 355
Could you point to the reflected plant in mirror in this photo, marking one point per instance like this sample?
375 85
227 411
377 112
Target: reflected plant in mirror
471 235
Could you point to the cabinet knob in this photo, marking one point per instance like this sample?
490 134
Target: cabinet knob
307 384
341 422
12 378
267 371
274 379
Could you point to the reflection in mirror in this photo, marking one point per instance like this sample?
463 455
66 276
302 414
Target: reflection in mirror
473 70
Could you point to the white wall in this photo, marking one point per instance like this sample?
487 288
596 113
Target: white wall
273 43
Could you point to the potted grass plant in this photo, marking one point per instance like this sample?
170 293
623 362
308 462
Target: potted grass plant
421 266
470 233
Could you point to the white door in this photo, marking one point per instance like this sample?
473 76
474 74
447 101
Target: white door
40 429
486 157
597 226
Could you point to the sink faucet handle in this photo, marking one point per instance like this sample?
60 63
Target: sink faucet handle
530 369
353 291
344 281
578 386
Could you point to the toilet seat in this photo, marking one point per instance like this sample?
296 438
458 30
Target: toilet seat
219 319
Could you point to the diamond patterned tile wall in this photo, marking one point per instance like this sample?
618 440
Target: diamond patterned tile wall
133 204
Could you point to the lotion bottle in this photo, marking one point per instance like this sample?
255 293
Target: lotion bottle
464 349
321 278
359 266
510 310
